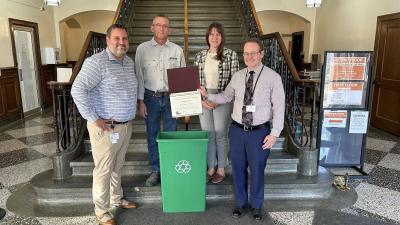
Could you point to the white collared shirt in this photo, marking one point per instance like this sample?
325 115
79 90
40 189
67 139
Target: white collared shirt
151 63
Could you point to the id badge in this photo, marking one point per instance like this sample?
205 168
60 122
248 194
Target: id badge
114 137
250 108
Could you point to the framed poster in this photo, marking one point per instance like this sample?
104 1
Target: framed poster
345 78
343 119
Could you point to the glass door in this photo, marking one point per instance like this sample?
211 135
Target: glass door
27 68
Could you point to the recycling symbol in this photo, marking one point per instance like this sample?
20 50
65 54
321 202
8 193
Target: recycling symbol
183 166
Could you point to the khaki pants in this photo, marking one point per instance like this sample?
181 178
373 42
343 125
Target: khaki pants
108 161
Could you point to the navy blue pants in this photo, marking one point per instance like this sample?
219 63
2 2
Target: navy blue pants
246 151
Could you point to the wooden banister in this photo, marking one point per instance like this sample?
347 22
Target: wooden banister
120 5
253 9
186 32
83 54
288 60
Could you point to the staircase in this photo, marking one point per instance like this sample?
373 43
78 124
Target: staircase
282 180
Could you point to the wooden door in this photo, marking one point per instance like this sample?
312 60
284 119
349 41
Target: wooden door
385 113
297 49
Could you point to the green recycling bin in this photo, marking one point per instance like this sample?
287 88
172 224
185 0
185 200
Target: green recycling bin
183 168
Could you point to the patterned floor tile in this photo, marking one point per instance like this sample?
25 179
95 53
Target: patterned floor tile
46 149
380 201
379 134
364 213
19 220
89 220
391 161
44 120
373 157
396 149
23 172
38 139
5 137
11 145
29 131
380 145
368 167
26 124
294 218
4 194
18 156
385 177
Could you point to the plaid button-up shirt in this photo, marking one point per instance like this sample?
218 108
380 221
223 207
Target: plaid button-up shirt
226 68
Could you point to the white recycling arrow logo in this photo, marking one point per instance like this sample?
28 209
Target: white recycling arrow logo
183 166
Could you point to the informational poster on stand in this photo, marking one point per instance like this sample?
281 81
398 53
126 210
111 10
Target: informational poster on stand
358 122
343 119
335 118
345 77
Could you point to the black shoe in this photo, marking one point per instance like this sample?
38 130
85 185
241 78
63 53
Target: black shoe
238 212
257 214
153 180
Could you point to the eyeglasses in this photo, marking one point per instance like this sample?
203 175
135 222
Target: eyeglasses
160 26
251 54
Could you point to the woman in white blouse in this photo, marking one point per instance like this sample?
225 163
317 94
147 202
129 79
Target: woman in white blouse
216 65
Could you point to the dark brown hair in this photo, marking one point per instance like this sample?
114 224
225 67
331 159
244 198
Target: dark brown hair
254 40
220 29
115 26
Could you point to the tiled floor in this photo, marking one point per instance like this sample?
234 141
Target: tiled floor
25 151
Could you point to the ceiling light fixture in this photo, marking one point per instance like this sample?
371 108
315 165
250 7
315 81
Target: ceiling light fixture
52 2
313 3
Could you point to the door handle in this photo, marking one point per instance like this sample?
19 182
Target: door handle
377 83
20 74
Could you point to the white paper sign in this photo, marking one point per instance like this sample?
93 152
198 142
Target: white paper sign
344 93
186 104
358 122
335 118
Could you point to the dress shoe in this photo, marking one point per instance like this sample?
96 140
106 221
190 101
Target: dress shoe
153 180
217 178
257 214
238 212
208 177
106 219
125 204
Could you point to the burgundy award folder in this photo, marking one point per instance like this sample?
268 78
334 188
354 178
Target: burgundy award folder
183 84
183 79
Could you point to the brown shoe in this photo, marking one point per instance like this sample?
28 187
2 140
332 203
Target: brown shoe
208 177
125 204
217 178
106 219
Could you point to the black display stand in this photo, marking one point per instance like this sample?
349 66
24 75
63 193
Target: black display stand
344 111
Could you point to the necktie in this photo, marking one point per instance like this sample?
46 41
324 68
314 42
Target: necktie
247 117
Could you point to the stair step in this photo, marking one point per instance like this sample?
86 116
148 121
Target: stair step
191 24
137 163
277 186
138 143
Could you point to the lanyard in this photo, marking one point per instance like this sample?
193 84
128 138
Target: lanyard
254 88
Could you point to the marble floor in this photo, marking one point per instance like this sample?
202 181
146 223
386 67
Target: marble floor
25 151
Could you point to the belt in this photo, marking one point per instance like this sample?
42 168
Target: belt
116 122
157 93
250 128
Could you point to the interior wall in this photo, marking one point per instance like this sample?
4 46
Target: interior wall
349 25
297 7
44 19
286 23
74 38
74 7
